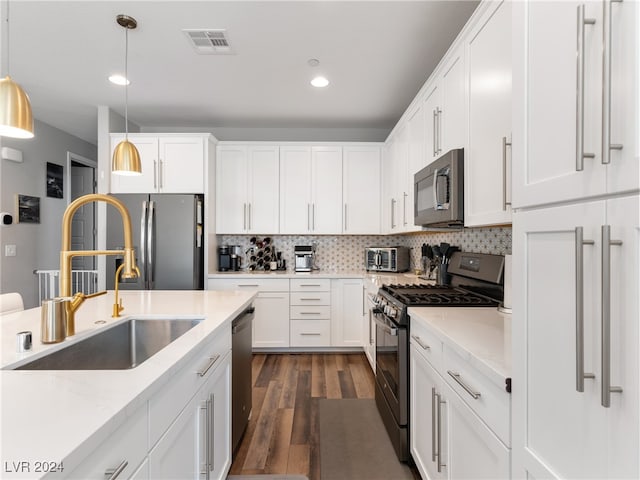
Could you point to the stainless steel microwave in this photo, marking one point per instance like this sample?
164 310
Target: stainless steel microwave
386 259
439 192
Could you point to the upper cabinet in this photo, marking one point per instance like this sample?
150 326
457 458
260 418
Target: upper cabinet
170 164
487 156
310 190
247 189
576 101
361 186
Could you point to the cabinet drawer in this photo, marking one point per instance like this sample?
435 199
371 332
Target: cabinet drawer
311 312
493 405
165 406
426 343
310 333
310 298
259 284
310 285
127 444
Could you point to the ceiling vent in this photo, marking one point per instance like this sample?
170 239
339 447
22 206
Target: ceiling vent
209 42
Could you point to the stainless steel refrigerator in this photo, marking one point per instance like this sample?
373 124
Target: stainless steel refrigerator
168 235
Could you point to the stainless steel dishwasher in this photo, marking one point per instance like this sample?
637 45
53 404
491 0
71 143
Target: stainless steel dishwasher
241 354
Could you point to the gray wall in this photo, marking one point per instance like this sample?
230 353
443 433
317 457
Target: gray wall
38 245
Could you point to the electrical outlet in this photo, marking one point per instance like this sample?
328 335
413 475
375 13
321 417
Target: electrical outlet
9 250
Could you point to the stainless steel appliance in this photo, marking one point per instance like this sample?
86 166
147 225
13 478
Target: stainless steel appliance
241 354
386 259
168 234
439 192
476 281
304 257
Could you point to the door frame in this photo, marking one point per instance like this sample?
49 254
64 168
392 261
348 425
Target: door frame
74 157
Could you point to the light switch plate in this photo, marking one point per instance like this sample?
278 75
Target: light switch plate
9 250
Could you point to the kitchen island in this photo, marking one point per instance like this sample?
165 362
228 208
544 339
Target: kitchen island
53 421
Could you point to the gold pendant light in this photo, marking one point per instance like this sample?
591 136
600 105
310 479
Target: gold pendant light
126 158
16 119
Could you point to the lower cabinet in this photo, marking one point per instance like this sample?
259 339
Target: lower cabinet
198 443
447 438
347 312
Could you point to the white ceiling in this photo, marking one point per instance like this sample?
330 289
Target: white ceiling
376 54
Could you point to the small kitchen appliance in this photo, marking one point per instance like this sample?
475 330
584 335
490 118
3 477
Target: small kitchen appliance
304 256
476 281
386 259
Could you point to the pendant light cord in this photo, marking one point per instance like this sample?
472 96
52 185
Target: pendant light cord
126 85
8 42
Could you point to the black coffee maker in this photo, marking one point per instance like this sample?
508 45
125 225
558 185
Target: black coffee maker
229 258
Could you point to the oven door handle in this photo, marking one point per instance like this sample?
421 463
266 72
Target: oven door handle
393 331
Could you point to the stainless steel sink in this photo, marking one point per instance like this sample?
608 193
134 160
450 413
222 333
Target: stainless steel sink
121 347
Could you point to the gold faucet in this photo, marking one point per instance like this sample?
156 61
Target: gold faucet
66 254
117 305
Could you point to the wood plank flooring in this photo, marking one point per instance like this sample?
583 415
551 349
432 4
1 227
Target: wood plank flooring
283 432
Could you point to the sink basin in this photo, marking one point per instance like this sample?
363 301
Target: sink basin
121 347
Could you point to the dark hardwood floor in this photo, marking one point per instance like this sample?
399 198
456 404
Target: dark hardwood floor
283 432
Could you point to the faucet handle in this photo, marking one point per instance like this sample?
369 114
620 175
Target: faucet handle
91 295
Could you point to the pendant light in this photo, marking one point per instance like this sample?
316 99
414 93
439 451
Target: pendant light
126 159
16 119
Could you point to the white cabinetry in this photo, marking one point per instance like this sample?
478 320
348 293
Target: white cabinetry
271 318
247 183
347 312
361 189
575 136
560 326
459 418
170 164
486 157
310 313
310 191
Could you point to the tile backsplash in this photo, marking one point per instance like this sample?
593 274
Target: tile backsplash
346 252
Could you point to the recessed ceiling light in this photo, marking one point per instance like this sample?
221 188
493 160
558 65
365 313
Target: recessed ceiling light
319 82
118 80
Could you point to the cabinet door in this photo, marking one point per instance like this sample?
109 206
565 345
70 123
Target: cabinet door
326 190
416 161
231 189
263 198
177 453
548 118
425 386
400 176
347 313
546 340
181 165
361 190
295 190
148 181
623 217
623 173
487 171
452 118
474 451
388 186
271 321
431 107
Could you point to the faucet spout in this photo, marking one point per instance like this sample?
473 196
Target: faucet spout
130 270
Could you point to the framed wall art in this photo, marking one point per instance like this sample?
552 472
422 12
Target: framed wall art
55 186
28 209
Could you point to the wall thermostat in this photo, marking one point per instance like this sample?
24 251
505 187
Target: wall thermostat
6 219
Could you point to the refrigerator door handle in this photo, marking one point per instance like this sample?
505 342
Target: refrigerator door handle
143 241
150 246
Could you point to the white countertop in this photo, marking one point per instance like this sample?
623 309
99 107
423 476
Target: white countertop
64 415
481 335
377 278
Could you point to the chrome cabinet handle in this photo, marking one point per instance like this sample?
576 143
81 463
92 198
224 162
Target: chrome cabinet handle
310 299
114 473
308 216
249 215
580 155
313 334
607 146
160 174
435 119
155 174
393 216
313 216
439 136
434 453
607 389
212 360
204 459
419 342
316 285
467 388
310 313
244 216
580 375
211 429
505 144
404 208
439 425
